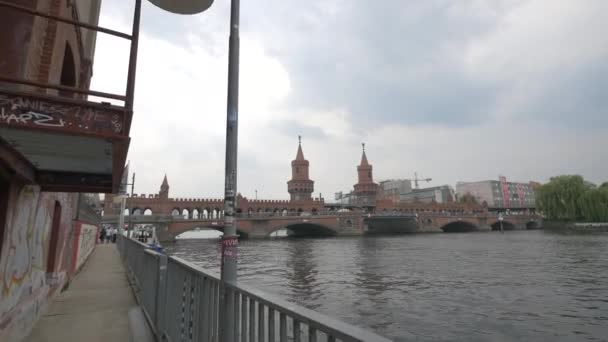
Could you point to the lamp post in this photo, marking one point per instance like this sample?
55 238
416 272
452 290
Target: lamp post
256 195
230 238
121 216
500 218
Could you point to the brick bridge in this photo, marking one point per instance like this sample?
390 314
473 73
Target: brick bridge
168 227
429 222
304 215
335 224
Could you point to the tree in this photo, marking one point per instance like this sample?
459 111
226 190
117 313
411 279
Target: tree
594 204
559 199
467 198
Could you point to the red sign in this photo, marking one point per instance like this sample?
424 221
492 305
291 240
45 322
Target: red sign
520 192
229 248
505 192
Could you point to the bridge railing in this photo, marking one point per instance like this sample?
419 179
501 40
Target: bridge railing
182 302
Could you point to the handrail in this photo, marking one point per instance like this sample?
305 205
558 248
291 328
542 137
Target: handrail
65 20
179 297
63 88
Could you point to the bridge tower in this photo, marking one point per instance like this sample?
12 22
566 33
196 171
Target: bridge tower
365 189
164 189
300 187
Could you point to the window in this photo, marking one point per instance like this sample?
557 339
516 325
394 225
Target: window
50 266
68 71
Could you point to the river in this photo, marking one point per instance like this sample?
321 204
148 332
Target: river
517 286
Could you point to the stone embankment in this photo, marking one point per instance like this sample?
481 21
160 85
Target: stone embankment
578 227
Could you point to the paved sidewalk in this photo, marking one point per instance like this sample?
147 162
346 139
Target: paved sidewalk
94 308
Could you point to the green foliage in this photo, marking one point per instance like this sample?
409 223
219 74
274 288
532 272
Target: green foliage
468 198
594 204
570 198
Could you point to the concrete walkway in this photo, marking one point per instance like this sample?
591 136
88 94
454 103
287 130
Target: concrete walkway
95 307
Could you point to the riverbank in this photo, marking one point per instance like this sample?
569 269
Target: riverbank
576 227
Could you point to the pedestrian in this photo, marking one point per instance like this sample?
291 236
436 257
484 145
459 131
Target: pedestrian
109 235
102 234
114 231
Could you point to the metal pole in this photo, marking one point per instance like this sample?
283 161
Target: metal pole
132 184
133 57
230 238
121 217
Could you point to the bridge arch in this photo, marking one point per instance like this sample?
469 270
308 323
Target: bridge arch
459 227
180 228
175 212
506 225
148 211
185 213
196 213
136 211
532 225
305 229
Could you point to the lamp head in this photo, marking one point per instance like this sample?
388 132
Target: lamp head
183 6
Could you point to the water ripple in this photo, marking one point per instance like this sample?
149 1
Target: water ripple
531 286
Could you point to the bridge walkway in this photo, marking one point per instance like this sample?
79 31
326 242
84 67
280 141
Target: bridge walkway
96 305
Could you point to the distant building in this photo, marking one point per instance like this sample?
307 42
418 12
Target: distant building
393 188
437 194
500 194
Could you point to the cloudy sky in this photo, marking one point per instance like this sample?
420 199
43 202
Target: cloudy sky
454 90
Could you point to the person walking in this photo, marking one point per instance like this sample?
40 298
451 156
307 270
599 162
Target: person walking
109 235
102 235
114 232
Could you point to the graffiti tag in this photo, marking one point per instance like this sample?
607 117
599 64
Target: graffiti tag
39 119
26 111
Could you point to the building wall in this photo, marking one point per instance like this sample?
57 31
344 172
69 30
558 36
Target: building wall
26 287
438 194
482 191
85 239
33 48
491 192
392 189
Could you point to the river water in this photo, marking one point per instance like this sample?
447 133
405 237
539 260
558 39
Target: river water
517 286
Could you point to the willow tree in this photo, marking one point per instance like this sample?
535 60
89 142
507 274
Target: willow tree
559 199
594 204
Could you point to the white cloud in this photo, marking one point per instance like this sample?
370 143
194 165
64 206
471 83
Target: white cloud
180 106
538 36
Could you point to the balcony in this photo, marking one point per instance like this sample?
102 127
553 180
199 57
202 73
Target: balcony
52 134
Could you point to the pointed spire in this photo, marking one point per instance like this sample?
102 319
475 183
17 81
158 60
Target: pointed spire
364 157
300 154
165 183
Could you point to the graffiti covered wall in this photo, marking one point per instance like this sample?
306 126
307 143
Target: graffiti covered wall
25 286
85 238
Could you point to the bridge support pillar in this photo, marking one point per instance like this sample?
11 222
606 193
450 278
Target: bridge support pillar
163 234
484 227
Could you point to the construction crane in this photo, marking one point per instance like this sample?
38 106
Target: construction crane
416 179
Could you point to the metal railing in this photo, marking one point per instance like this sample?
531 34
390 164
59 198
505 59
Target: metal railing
181 303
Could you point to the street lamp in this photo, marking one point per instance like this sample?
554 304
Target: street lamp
183 6
256 195
121 217
230 238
